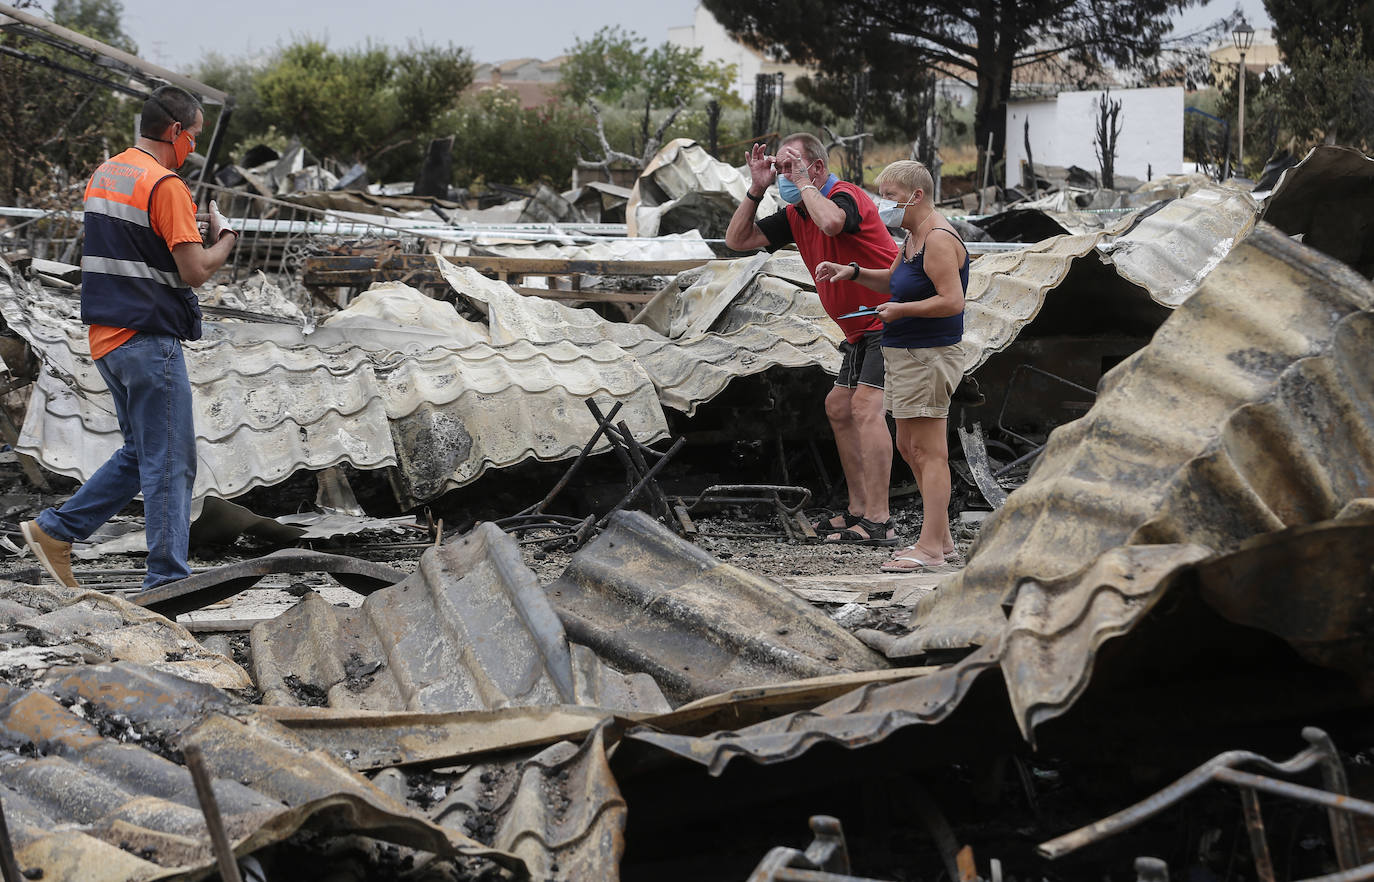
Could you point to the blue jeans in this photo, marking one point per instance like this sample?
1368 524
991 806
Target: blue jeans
152 399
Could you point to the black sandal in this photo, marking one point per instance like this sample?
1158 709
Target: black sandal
822 526
877 534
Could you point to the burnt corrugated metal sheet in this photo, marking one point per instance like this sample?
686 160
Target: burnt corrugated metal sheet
683 179
1169 250
1328 198
1250 410
560 811
94 788
1165 252
97 627
750 320
270 401
646 600
862 717
370 740
1054 629
1006 292
1310 585
469 630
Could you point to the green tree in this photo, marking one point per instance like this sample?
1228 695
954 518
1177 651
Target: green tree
238 78
980 43
362 104
497 140
1327 91
616 68
56 126
605 67
1319 22
1327 94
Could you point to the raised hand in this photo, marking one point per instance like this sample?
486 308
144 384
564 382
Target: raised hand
219 224
760 167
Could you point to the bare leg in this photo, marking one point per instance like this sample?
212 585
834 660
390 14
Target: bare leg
875 444
923 444
839 409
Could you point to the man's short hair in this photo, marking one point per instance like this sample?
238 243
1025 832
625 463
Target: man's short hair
909 175
811 146
167 104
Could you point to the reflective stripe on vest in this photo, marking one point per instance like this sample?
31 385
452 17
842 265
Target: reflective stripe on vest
131 213
130 278
132 269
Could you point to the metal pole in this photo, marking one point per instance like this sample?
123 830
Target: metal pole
212 152
1240 135
1254 825
987 170
224 853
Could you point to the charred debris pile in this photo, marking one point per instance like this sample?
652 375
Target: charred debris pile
506 569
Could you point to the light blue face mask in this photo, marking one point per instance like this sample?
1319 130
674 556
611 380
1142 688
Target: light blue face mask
789 191
891 213
792 194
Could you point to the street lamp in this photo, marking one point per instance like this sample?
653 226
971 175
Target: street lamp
1243 36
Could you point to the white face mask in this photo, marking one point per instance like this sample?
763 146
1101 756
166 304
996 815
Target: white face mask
891 213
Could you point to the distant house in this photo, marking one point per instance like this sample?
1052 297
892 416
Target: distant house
1262 55
716 44
533 81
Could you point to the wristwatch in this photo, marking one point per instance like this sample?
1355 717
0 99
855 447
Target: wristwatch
855 264
758 198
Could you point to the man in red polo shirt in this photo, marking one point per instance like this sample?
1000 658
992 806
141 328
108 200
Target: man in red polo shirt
834 220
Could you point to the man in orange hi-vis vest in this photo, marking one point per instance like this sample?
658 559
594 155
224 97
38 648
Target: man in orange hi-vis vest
142 255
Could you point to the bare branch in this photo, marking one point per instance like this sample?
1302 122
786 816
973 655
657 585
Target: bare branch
610 156
651 146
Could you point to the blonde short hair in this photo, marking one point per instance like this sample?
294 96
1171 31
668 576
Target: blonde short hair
909 175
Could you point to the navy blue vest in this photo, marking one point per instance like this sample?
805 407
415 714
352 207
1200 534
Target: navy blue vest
129 278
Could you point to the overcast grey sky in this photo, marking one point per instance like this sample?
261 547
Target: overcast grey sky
176 36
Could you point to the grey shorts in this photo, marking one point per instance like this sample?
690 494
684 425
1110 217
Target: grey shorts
862 361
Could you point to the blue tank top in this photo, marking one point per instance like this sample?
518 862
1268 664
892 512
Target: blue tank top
909 284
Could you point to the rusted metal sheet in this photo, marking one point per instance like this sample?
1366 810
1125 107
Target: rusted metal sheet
560 811
1310 585
646 600
469 630
1248 411
864 716
369 740
201 589
1328 199
94 787
1233 457
94 627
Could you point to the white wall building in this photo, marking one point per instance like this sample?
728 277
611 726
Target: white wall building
716 44
1062 130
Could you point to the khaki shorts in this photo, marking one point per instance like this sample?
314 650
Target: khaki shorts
919 382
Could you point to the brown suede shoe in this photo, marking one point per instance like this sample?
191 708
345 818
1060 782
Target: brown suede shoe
54 555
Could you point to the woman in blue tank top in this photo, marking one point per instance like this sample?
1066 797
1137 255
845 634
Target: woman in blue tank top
923 324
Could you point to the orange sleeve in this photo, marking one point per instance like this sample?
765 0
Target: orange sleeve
173 214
